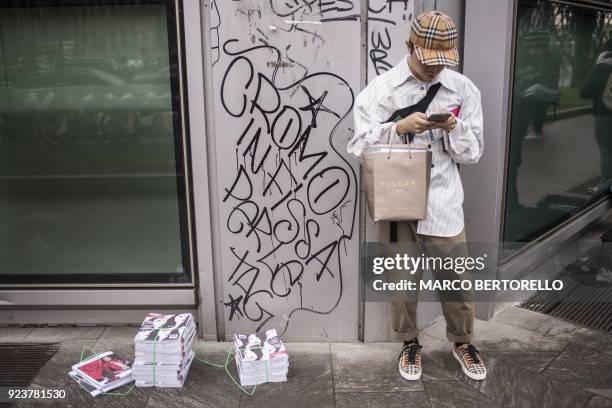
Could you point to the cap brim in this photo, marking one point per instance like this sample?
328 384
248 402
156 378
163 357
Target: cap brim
448 57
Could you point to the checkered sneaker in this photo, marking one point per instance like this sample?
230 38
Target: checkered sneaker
434 36
409 362
471 363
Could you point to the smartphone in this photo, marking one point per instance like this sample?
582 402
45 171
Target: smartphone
438 117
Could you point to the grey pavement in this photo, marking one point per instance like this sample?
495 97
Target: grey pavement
533 360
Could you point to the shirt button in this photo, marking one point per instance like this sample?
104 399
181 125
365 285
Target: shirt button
422 88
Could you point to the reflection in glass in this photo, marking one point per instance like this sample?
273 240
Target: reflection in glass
558 159
91 179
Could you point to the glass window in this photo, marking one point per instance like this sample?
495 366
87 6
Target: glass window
92 181
560 155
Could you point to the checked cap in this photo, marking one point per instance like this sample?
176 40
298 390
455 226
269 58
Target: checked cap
434 36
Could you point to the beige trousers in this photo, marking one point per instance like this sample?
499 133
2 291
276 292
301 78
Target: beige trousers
458 307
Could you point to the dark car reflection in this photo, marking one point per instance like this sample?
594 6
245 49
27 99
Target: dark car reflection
82 105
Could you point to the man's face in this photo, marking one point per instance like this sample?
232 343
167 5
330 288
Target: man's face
424 73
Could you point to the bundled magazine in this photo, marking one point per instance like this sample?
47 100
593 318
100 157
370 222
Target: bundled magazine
102 373
163 351
261 361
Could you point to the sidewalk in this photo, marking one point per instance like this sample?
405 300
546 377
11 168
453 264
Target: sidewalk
533 360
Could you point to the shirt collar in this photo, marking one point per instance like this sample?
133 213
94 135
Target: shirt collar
404 74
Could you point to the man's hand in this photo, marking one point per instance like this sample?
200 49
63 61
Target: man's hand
449 125
415 123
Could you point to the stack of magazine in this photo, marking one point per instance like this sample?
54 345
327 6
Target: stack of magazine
260 362
163 350
102 373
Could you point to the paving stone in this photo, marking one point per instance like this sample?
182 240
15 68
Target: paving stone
599 402
12 333
61 333
595 340
534 321
456 394
603 392
117 339
584 368
494 335
528 360
550 326
364 374
416 399
512 385
54 374
205 385
215 346
309 383
172 401
433 371
208 386
369 367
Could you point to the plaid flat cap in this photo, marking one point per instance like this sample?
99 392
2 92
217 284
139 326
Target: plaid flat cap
434 36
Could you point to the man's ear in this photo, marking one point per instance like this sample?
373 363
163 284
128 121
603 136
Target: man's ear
409 45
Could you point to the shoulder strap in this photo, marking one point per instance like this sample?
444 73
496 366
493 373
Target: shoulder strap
424 103
420 106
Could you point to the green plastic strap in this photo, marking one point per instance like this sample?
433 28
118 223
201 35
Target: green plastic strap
229 374
218 365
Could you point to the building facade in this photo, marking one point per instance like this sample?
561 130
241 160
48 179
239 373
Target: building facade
191 155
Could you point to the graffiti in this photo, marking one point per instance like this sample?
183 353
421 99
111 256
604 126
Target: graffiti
284 87
215 23
292 199
388 29
326 10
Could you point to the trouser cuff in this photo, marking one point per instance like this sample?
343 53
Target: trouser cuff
407 335
467 338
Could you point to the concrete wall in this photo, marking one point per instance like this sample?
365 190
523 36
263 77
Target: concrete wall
488 64
283 81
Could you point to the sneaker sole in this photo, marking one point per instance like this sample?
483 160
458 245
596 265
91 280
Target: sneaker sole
477 377
405 376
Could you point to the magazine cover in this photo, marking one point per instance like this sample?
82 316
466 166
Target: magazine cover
273 346
152 321
104 369
166 328
248 347
251 348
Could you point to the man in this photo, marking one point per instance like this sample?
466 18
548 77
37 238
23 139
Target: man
598 85
432 47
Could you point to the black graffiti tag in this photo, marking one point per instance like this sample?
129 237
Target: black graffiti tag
292 200
382 16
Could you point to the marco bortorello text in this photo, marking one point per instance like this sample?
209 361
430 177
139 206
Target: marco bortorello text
408 277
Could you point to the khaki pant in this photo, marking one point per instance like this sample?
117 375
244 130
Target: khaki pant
458 307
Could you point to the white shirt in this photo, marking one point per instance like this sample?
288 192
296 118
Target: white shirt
399 88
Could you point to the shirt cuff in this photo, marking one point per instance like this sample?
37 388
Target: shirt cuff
458 140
